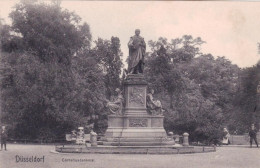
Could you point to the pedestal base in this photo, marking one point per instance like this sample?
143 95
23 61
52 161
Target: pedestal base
136 127
136 131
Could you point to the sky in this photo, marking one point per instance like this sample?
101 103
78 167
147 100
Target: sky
230 29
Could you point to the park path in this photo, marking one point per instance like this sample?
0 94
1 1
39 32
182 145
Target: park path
225 157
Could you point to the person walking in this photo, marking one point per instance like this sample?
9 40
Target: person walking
226 136
252 134
3 137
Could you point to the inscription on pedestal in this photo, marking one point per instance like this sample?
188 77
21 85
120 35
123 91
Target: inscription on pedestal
137 96
138 122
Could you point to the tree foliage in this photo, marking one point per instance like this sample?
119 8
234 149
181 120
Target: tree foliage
48 73
247 111
52 80
52 33
109 54
165 59
197 91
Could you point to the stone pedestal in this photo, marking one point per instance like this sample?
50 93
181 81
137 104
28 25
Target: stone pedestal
135 127
185 139
93 138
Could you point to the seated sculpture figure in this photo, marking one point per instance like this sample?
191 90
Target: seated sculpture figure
154 107
116 107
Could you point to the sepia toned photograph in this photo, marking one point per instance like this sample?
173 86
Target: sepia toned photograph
129 84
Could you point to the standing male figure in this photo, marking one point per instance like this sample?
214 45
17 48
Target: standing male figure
137 49
252 134
3 137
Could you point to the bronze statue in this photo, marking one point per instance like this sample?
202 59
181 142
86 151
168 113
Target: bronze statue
137 49
116 107
154 107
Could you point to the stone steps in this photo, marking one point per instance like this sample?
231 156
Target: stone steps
140 143
134 150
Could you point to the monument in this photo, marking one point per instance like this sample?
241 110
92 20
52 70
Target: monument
139 122
135 120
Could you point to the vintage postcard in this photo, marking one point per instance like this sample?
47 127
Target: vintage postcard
129 84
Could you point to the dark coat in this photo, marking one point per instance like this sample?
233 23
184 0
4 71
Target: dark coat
252 133
3 135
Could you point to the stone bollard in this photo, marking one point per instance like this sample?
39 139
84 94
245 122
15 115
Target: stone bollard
185 139
170 135
170 138
93 138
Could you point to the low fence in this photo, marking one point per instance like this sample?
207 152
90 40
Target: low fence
241 139
234 140
44 141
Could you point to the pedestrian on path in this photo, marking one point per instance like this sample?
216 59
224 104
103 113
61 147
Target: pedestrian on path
252 134
3 137
226 136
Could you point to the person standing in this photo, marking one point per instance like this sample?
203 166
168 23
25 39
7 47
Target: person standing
3 137
252 134
226 136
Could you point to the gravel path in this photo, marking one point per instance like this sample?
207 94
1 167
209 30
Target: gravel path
225 157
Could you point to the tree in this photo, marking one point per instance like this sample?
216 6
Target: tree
89 91
35 95
52 33
40 89
165 59
246 99
217 84
109 54
197 91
